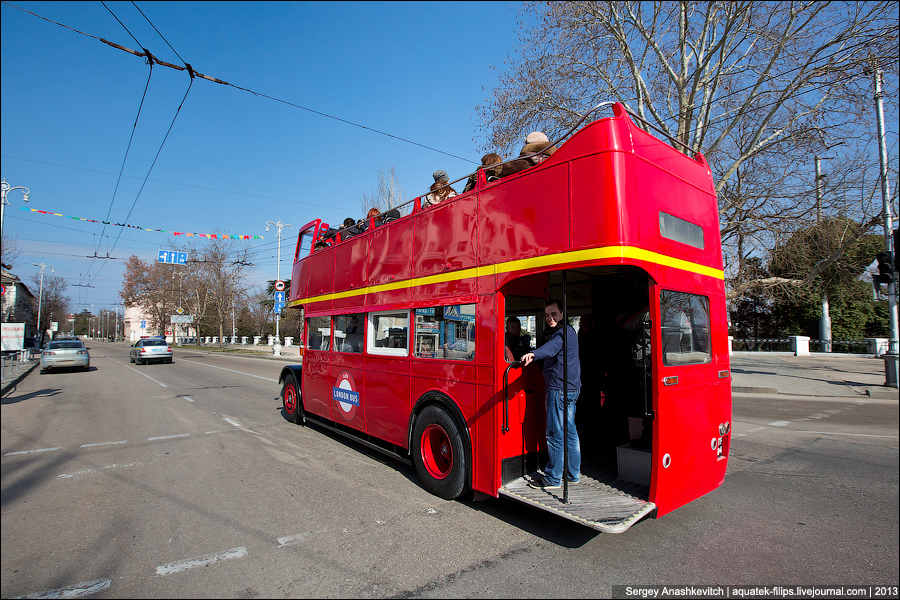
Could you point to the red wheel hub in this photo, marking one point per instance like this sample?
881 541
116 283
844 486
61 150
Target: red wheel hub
290 399
437 452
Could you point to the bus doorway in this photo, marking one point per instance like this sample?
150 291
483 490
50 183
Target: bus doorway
609 307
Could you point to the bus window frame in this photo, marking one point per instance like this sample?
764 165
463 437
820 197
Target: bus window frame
309 329
365 324
371 349
415 335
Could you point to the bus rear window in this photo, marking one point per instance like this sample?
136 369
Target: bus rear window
318 331
680 230
685 328
446 332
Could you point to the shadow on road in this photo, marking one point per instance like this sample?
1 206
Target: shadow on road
30 395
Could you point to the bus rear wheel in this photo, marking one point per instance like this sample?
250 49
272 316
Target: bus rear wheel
291 402
438 453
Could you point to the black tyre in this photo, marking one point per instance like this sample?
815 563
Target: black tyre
291 401
439 453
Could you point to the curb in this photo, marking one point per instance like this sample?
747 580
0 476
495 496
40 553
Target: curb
18 379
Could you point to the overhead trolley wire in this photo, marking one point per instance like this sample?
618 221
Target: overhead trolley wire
127 150
128 31
195 73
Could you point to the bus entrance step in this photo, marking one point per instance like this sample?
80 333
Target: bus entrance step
592 503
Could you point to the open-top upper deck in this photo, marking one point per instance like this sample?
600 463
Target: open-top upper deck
611 193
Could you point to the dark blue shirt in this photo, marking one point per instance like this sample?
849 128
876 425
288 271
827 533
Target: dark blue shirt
551 352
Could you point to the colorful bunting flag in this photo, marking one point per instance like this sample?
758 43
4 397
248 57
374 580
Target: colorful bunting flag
211 236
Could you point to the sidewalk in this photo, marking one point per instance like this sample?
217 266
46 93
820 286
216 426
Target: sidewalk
289 354
13 373
819 375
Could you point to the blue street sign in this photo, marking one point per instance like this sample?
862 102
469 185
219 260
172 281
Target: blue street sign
279 307
143 324
171 257
279 297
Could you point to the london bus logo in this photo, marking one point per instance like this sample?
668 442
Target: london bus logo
344 395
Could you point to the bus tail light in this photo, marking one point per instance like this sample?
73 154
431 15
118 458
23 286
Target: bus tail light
670 380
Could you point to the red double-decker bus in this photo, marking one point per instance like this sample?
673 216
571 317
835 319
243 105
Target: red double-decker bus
405 343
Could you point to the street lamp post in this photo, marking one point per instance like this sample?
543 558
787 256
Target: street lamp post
40 299
5 188
279 226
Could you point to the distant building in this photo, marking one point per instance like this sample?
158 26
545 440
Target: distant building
135 316
18 304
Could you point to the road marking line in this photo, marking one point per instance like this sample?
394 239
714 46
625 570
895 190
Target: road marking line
745 433
156 381
291 540
89 471
232 422
779 423
35 451
188 398
201 561
890 437
230 370
211 432
168 437
79 590
98 444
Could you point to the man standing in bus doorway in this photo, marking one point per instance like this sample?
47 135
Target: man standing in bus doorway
552 354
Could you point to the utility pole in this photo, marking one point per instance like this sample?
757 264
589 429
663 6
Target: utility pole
890 359
40 299
825 319
279 226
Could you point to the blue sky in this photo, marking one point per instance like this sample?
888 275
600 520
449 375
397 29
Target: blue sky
233 160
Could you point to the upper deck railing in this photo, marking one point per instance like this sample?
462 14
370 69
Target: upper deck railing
414 204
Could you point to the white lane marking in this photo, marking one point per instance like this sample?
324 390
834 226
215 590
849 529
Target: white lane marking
230 370
79 590
211 432
156 381
890 437
201 561
188 398
291 540
779 423
237 424
168 437
35 451
98 444
89 471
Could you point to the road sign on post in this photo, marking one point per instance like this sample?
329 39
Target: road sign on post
279 285
171 257
143 324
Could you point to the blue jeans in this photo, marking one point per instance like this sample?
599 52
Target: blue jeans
553 470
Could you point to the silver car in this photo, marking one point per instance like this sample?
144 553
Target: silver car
60 354
150 349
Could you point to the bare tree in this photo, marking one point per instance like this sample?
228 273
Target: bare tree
387 195
222 274
54 303
745 83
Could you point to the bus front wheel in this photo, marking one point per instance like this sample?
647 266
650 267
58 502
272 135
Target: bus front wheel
438 453
290 399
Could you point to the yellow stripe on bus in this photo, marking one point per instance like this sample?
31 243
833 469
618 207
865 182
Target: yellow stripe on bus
523 264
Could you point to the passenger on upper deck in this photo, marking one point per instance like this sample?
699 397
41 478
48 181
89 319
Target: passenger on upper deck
440 189
486 161
535 142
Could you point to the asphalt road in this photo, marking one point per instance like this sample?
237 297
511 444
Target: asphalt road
185 480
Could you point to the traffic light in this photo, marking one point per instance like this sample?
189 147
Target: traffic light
885 267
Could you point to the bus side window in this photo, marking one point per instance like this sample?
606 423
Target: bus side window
388 333
348 333
319 333
446 332
685 328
